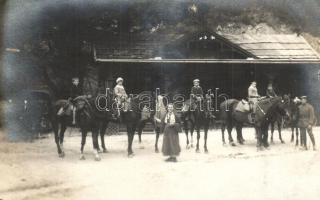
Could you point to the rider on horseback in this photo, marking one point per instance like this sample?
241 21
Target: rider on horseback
196 95
75 91
121 96
253 96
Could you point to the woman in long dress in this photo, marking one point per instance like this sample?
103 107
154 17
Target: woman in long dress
170 145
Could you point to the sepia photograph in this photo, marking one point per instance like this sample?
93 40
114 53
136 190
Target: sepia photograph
159 99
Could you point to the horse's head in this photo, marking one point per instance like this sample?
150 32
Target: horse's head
283 106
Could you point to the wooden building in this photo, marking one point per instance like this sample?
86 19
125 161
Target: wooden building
224 61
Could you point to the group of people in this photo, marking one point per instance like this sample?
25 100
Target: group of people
171 122
306 115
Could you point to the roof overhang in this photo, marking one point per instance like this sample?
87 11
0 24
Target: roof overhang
226 61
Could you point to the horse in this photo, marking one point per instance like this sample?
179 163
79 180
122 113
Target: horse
276 119
230 117
265 108
89 118
153 115
197 119
132 117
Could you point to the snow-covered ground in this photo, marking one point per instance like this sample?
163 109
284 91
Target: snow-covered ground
34 171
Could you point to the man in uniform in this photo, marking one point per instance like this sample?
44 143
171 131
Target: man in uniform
196 94
253 95
270 91
306 119
121 96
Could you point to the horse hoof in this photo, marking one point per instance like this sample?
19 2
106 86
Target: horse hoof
157 151
282 142
233 144
61 155
191 145
206 151
187 147
105 151
82 157
141 147
130 155
224 144
97 158
99 151
259 149
197 150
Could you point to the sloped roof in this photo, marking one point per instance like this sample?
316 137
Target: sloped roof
275 46
257 48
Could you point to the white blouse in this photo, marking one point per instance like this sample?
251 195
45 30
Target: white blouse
170 118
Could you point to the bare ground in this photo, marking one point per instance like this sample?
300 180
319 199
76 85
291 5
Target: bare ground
34 171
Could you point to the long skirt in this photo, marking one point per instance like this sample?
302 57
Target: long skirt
170 145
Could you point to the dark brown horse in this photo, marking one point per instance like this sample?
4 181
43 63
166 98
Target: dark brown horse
89 118
197 119
132 118
230 118
265 109
150 115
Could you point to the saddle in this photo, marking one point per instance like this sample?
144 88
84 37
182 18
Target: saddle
243 106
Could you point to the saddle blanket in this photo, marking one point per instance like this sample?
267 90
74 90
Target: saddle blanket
243 106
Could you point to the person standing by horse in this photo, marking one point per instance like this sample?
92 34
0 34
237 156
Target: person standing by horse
253 95
196 95
270 91
170 145
120 96
305 122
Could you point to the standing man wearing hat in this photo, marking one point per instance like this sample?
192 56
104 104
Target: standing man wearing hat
120 95
306 119
196 94
270 91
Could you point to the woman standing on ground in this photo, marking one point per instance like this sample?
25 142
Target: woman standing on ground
171 146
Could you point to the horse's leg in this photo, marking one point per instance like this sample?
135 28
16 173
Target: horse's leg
259 138
292 134
265 136
61 137
95 133
279 130
272 130
206 128
130 132
55 126
141 125
186 130
103 129
198 138
297 136
239 133
83 142
229 129
156 149
223 128
192 127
